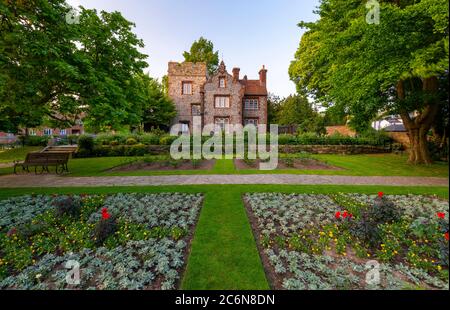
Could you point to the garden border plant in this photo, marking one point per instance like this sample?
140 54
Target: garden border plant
290 248
147 236
225 256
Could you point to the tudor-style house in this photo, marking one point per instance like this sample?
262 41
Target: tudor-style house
221 99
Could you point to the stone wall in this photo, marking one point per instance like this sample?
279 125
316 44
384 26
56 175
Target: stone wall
334 149
313 149
185 72
400 137
233 89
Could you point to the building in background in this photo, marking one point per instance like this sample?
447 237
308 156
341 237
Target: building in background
220 99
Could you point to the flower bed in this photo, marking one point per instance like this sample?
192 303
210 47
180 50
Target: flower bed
121 241
351 241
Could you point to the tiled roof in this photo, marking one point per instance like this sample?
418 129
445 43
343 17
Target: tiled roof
254 87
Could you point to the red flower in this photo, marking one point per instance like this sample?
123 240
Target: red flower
105 214
338 214
345 214
440 215
446 235
380 194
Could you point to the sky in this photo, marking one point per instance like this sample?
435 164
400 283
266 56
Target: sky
247 33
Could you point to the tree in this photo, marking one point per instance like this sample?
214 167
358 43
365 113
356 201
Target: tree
273 105
202 50
158 108
36 62
365 68
56 70
297 110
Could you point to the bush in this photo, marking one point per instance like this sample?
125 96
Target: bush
73 139
86 143
130 141
136 150
167 140
34 140
67 205
285 139
149 139
104 229
367 226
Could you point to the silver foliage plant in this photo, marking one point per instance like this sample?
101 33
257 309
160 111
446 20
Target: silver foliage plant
152 263
284 214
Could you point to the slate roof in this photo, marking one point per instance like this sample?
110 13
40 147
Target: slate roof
395 128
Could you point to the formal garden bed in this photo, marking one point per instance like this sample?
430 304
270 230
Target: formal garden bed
342 241
121 241
286 163
167 164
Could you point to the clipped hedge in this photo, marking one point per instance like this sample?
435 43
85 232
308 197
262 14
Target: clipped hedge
123 150
34 140
142 144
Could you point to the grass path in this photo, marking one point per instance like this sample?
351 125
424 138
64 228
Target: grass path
224 253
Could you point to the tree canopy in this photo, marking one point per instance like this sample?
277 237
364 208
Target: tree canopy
202 50
297 110
54 69
394 65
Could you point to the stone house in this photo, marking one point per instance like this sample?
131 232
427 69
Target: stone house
221 99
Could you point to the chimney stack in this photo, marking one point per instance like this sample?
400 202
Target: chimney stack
263 75
236 74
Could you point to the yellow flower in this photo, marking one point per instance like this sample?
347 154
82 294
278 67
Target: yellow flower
439 267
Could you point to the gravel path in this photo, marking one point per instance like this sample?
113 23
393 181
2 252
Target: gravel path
11 181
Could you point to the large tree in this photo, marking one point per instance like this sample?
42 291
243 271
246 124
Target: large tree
367 67
158 109
202 50
297 110
54 68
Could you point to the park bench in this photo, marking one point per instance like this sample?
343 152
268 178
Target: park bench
60 149
41 161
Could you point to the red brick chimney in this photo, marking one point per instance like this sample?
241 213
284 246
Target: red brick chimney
236 74
263 75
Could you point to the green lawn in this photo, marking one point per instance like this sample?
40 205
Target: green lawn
370 165
224 253
17 153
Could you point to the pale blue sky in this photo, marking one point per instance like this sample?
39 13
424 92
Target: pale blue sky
248 33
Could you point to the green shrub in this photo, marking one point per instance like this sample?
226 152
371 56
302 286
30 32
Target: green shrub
72 139
285 139
136 150
104 229
86 143
149 139
67 205
34 140
367 226
167 140
130 141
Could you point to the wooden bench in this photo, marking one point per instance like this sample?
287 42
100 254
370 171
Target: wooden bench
41 161
60 149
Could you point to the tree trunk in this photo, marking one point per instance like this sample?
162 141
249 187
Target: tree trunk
419 125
